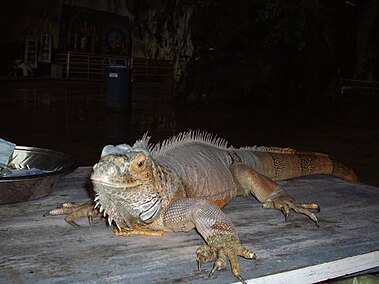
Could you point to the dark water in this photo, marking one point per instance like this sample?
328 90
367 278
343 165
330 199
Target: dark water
73 118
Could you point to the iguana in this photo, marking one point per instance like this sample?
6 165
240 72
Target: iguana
181 184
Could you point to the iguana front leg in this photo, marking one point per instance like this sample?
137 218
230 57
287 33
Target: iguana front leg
216 229
268 192
75 210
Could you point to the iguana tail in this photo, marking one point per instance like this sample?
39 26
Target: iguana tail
285 163
341 170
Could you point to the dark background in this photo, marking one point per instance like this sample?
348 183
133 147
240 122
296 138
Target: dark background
253 72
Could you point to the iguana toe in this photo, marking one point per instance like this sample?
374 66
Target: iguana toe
285 203
302 209
75 210
205 254
70 220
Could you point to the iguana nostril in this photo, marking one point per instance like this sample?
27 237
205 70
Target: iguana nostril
99 168
112 171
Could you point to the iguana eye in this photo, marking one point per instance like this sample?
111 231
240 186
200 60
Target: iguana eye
139 163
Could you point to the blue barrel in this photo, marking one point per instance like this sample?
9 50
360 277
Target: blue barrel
119 89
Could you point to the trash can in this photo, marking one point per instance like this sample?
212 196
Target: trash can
119 89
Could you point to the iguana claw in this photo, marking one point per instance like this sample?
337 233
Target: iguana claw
220 263
282 201
205 254
222 248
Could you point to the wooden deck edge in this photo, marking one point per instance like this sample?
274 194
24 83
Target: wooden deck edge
321 272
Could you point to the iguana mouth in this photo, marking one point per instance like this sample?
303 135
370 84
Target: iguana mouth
108 175
106 184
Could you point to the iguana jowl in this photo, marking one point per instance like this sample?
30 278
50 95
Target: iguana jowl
182 183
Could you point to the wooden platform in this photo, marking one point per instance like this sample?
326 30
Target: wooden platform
48 250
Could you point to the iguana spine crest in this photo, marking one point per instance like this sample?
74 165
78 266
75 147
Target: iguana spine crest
182 138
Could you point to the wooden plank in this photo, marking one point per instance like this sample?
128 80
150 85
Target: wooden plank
48 250
320 272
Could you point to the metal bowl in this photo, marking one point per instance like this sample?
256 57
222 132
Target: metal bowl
24 188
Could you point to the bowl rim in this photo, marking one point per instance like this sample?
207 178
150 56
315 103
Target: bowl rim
72 166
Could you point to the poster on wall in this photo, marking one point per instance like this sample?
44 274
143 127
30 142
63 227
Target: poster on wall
45 48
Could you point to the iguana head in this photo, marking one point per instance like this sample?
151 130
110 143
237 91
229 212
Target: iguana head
123 180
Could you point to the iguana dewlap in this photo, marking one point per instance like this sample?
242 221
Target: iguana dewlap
181 184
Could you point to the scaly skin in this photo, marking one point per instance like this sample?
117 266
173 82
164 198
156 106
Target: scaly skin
182 183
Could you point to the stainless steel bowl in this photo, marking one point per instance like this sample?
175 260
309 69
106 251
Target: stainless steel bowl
24 188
